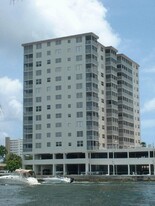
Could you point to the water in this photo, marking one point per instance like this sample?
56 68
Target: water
79 194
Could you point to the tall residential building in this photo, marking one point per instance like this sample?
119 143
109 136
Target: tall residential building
14 146
79 96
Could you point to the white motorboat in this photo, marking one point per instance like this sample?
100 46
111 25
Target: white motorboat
20 176
57 179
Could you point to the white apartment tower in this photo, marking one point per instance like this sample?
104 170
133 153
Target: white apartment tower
79 96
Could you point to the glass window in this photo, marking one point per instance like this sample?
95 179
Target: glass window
79 104
58 106
79 133
79 86
58 60
79 58
58 115
38 145
58 134
78 76
79 143
79 114
58 87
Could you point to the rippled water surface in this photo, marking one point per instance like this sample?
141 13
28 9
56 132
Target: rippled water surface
80 194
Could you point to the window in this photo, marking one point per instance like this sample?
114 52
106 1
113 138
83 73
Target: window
38 81
38 126
69 115
69 144
48 43
58 69
58 96
78 67
38 64
79 86
58 124
78 49
38 46
48 53
79 95
48 98
58 51
58 60
48 135
48 106
79 58
79 143
58 144
79 104
58 134
58 78
48 71
48 144
48 116
58 115
78 76
69 105
48 79
58 42
38 135
48 125
48 61
68 59
38 90
69 134
79 39
48 89
38 145
38 99
58 87
79 114
69 87
79 123
38 55
79 133
69 77
38 72
38 117
38 108
69 96
58 106
68 68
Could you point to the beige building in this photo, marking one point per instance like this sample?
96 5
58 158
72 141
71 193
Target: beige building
14 146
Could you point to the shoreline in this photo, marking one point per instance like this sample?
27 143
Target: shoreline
109 178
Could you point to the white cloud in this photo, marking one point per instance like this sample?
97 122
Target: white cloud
29 20
149 106
11 107
66 17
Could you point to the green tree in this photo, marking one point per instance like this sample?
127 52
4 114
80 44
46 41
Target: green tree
143 144
13 162
3 151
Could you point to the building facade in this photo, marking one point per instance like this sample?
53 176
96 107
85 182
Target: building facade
14 146
79 96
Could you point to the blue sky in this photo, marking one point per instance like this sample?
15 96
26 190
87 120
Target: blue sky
128 25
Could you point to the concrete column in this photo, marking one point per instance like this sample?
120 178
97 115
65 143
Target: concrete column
64 169
128 169
108 169
53 169
149 169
